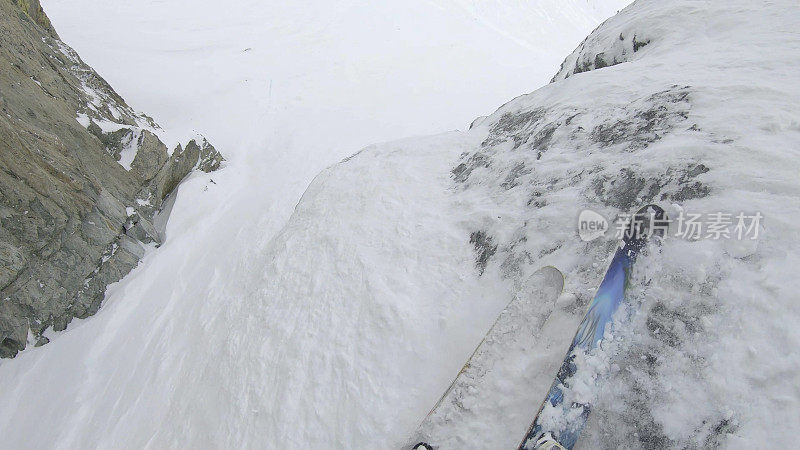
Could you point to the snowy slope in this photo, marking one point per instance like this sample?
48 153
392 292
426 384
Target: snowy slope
322 77
342 327
313 338
251 329
692 112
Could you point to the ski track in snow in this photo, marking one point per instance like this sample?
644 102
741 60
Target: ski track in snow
336 322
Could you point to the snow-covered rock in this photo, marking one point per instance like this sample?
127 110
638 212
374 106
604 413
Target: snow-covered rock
700 117
73 157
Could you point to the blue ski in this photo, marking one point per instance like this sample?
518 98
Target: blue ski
558 425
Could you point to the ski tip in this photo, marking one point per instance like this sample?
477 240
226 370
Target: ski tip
420 445
551 274
545 442
650 220
549 445
546 282
651 210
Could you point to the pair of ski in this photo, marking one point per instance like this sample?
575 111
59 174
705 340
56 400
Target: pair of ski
489 382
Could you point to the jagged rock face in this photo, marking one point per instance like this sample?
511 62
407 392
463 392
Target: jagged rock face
77 197
33 9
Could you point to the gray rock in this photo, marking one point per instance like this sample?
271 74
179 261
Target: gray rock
183 160
65 230
11 262
33 9
141 229
150 157
485 248
15 328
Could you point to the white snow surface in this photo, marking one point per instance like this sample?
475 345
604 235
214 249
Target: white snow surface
340 326
320 79
261 322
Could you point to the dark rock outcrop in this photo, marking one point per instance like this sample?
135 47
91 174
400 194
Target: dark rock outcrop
81 177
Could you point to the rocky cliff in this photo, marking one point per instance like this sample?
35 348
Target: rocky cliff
82 176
